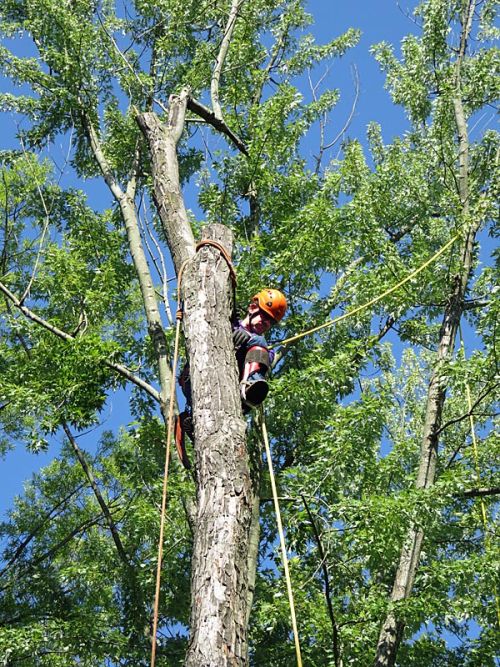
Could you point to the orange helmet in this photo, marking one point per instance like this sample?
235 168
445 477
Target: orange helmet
271 301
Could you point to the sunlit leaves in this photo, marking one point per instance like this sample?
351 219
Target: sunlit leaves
347 404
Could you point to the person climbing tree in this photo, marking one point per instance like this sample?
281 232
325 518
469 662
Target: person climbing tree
253 356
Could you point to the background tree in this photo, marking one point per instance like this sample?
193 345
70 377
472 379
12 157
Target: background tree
83 315
443 67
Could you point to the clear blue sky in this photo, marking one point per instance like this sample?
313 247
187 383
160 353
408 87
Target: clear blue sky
378 20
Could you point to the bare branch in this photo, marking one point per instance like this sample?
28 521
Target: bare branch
470 412
132 182
407 14
478 493
323 147
49 515
129 215
44 232
219 63
476 303
128 65
103 163
326 577
99 497
353 109
59 545
278 45
147 231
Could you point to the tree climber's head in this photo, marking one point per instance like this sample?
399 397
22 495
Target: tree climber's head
266 308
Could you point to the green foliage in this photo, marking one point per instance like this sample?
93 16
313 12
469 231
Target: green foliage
81 599
347 404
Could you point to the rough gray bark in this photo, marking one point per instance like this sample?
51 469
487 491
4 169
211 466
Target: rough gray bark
392 630
220 552
167 195
218 634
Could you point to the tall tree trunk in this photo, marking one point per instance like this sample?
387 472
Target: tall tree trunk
219 577
219 584
392 630
167 194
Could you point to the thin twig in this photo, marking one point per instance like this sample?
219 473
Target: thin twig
129 66
328 596
146 228
470 412
99 497
278 45
353 109
21 547
44 230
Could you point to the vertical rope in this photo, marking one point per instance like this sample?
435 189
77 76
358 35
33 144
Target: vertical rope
477 467
282 540
164 494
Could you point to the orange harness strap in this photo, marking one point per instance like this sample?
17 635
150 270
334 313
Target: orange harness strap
223 252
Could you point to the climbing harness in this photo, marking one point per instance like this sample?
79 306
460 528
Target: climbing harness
282 539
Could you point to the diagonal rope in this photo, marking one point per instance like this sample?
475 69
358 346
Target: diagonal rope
376 299
282 539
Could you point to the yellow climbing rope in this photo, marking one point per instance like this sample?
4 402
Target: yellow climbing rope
282 540
378 298
164 493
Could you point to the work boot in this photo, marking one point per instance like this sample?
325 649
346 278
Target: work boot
254 390
183 427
